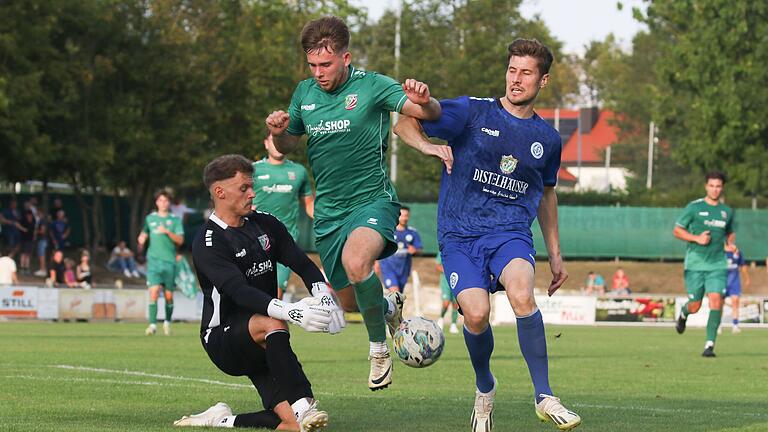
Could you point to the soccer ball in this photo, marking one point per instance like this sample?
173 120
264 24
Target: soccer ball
418 342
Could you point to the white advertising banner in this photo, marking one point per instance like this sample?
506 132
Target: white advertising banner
554 310
48 303
75 304
131 305
18 302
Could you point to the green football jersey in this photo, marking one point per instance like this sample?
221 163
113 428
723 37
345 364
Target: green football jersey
278 189
161 247
348 130
698 217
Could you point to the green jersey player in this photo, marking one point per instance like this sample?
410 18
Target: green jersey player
345 112
165 233
707 225
279 185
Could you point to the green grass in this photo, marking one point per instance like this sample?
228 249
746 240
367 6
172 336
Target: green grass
105 376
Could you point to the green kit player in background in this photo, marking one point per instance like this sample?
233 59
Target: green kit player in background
280 184
707 225
165 233
447 298
345 113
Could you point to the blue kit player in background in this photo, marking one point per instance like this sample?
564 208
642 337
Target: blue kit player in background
501 166
737 269
396 268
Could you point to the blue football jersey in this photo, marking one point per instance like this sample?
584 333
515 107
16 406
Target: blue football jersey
734 262
400 261
501 165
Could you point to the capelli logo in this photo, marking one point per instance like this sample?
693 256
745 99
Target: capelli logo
491 132
310 107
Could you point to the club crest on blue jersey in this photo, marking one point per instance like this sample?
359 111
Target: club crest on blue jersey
350 102
508 164
537 150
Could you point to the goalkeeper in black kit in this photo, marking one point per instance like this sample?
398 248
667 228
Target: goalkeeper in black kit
244 326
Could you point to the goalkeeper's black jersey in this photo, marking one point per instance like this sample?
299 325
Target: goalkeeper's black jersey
237 266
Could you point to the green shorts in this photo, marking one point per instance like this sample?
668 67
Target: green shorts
698 282
161 273
331 235
283 272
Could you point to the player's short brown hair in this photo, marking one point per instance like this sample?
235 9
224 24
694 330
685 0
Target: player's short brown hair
715 174
532 48
164 192
329 33
225 167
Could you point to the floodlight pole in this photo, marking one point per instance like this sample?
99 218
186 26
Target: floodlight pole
393 137
651 139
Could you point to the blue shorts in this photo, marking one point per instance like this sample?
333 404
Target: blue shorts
478 262
394 276
733 289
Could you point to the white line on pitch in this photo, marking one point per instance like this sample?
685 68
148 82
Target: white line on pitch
365 396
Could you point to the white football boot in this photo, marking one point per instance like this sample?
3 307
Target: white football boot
312 420
167 328
151 330
393 322
482 413
381 371
210 417
550 409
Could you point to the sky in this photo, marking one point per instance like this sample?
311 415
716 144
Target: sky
574 22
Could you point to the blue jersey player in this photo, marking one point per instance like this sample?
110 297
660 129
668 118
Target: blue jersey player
396 268
737 269
501 166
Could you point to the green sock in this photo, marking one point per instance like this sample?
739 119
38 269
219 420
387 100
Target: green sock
153 313
372 307
454 316
443 310
713 323
684 311
168 311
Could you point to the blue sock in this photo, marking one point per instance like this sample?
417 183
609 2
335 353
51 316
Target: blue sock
533 345
480 347
735 321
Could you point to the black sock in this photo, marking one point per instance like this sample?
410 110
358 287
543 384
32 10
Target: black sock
286 369
262 419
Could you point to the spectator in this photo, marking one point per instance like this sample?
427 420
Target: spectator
180 210
27 239
7 271
83 271
70 278
620 283
595 284
57 205
41 243
31 204
57 268
60 231
11 222
122 260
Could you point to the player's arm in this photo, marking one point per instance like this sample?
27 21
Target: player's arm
547 215
683 234
415 247
177 239
277 123
745 274
419 104
143 236
309 205
410 131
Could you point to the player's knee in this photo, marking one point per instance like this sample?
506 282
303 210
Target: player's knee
476 320
260 326
522 302
358 269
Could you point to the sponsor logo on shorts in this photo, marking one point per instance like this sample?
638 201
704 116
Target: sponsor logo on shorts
373 221
226 328
454 279
537 150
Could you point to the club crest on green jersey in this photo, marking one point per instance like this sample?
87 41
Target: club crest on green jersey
350 102
508 164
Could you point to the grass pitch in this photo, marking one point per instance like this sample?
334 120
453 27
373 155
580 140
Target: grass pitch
107 376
